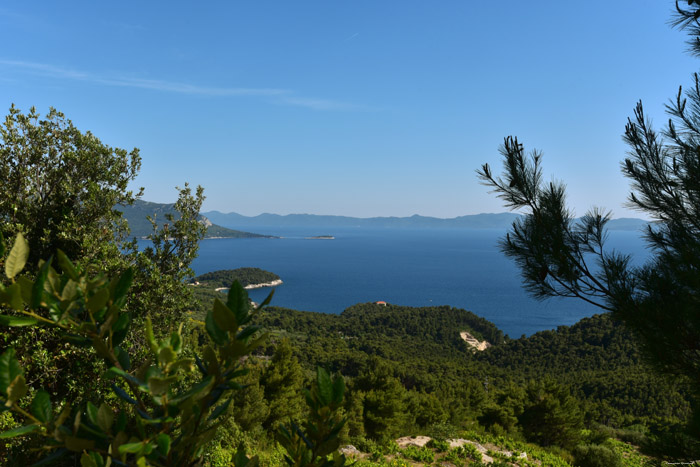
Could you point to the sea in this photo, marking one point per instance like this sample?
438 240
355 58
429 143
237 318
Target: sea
462 268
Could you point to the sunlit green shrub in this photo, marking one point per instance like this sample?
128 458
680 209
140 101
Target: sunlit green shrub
418 454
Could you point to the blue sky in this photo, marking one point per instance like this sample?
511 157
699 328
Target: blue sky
361 108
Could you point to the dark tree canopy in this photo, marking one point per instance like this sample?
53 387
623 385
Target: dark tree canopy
60 186
559 256
686 17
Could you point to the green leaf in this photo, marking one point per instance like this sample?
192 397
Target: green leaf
123 285
163 441
26 286
257 342
225 318
123 394
70 290
41 406
166 355
86 460
247 332
54 282
176 341
267 300
159 386
119 336
237 301
338 389
150 337
132 448
91 410
212 361
98 459
119 372
98 343
63 416
219 410
186 364
67 266
12 296
197 391
16 321
98 300
19 431
105 417
16 390
76 421
123 358
324 385
121 323
17 258
75 444
217 335
38 288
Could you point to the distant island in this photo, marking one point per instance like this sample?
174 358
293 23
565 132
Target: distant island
137 217
250 278
321 237
476 221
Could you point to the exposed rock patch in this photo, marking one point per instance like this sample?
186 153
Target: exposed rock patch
350 451
417 441
474 342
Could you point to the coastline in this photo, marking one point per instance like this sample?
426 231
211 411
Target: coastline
274 283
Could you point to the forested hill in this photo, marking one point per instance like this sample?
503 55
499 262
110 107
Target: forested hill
246 276
475 221
136 215
591 374
397 333
599 359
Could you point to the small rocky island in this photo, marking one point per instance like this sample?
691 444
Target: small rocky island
250 278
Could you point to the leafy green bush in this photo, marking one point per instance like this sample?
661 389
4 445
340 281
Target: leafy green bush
462 453
439 445
161 413
164 412
471 452
592 455
442 431
418 454
321 436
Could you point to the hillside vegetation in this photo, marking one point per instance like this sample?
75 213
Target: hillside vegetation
137 217
246 277
576 391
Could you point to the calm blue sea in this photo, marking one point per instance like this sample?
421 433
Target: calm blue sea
461 268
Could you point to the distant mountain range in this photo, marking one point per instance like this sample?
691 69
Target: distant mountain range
136 216
475 221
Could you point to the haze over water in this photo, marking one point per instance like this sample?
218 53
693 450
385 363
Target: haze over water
429 267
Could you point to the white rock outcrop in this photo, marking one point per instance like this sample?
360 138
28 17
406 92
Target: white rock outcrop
474 342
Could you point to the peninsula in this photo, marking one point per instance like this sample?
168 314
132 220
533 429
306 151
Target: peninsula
249 278
137 217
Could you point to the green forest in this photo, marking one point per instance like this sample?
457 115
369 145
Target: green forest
113 353
245 276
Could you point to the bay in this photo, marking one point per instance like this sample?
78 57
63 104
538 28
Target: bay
462 268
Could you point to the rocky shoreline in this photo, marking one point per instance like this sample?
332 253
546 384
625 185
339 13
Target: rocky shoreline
264 284
274 283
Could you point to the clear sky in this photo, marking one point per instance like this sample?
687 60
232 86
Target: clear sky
360 108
